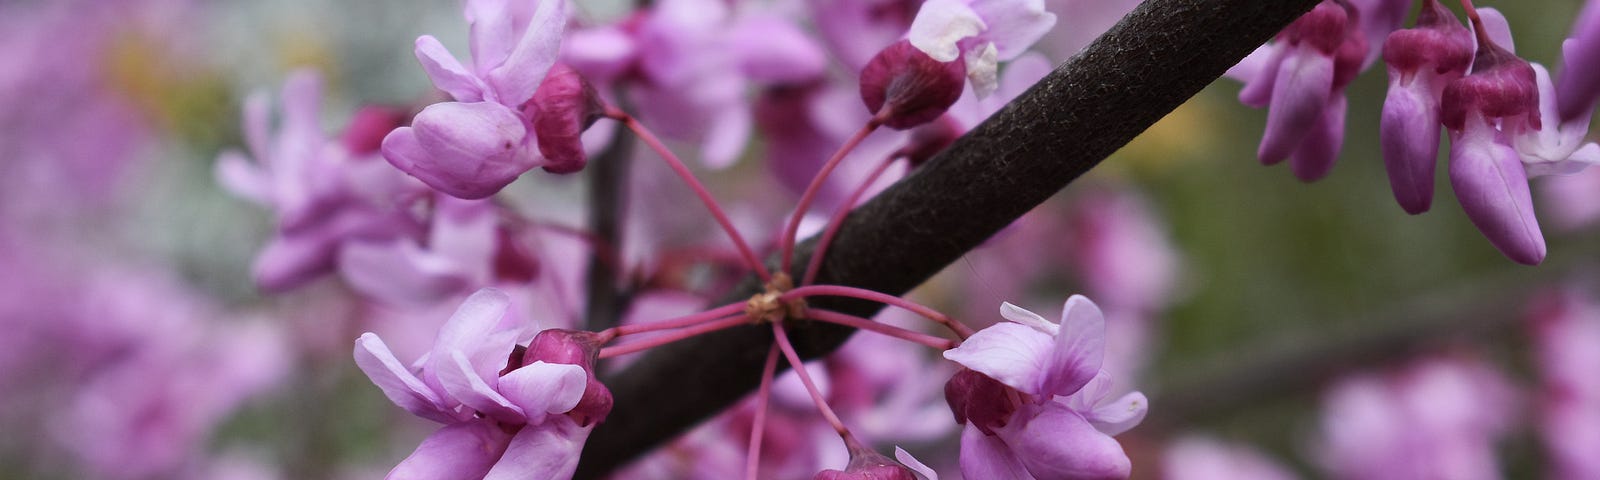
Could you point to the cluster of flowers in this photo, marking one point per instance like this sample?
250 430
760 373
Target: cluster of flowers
1508 121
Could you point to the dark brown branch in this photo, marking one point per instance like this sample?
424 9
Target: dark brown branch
1155 59
608 180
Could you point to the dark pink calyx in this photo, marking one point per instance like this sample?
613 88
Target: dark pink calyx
1506 90
367 128
983 401
1324 28
579 348
562 108
904 87
1439 41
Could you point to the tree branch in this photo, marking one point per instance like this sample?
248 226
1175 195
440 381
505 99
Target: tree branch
608 179
1152 61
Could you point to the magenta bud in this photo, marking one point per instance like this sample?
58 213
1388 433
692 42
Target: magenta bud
367 128
1408 132
564 106
904 87
579 348
1492 186
976 398
1323 27
466 150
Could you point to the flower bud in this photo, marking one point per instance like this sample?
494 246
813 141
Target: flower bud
564 106
1323 28
904 87
466 150
866 464
1501 86
1439 43
1492 186
512 260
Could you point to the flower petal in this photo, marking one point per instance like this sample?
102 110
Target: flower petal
461 451
1299 94
1010 353
915 465
1026 317
470 150
1013 25
1320 149
1492 186
981 70
984 456
940 25
1058 443
399 384
546 451
1119 415
518 78
1409 134
1078 350
244 178
400 272
544 388
459 380
446 72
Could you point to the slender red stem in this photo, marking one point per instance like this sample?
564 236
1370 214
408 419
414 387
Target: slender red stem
838 219
938 343
960 329
758 428
653 342
799 367
671 323
694 184
810 194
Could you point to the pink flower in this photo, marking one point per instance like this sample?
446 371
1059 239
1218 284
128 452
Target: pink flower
983 32
526 418
324 195
475 146
1196 457
1422 61
1032 401
1565 329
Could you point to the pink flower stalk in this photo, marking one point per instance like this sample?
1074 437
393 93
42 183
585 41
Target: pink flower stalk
1199 457
981 33
1484 111
526 418
475 146
1422 61
1032 399
1565 329
1438 418
1579 85
1301 78
324 195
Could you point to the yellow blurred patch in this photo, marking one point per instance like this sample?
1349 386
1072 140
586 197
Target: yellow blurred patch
1187 134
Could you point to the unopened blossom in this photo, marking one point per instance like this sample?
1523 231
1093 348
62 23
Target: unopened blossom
323 193
475 146
1579 86
1421 61
1301 78
523 418
979 33
1565 327
1437 418
1484 112
867 464
1032 401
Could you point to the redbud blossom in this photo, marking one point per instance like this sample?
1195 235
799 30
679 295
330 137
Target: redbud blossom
564 106
1421 62
1579 87
982 33
905 87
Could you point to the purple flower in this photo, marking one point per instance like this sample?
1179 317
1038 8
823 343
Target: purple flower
983 32
1422 61
1579 87
526 418
323 195
1485 110
1196 457
1032 401
1301 78
475 146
